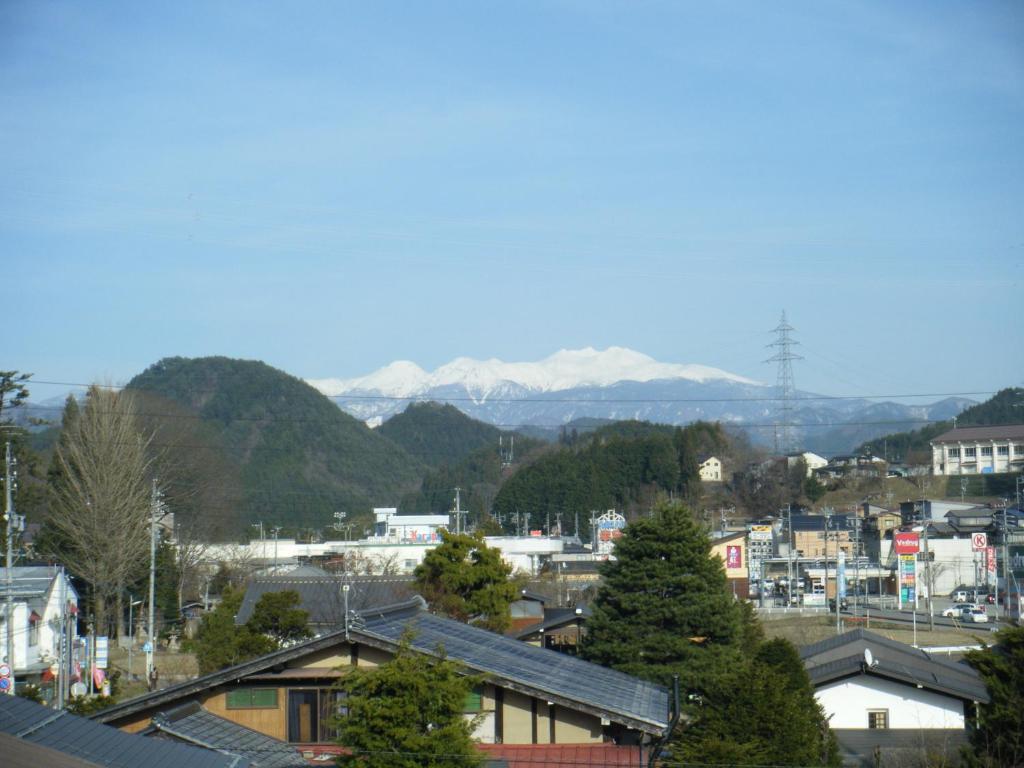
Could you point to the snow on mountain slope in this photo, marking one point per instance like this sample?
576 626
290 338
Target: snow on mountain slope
565 369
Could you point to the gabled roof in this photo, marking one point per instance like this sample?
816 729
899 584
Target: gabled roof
322 596
33 581
843 656
557 617
101 744
539 672
193 724
998 432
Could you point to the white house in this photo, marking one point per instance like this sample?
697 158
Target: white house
711 470
979 450
45 603
811 460
882 695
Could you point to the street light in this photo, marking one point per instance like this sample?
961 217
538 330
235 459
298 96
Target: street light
131 641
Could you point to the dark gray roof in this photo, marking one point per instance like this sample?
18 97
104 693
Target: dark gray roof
843 656
101 744
898 746
191 723
18 753
817 522
999 432
555 617
503 660
322 596
537 669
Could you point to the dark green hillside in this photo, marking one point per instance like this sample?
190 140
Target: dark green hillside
623 466
439 434
1005 407
300 458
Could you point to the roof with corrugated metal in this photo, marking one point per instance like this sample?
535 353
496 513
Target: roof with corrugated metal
997 432
322 596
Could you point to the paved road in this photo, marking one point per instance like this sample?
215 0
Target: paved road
907 617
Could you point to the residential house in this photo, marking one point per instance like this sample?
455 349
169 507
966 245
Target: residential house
888 702
809 539
45 604
561 629
852 465
529 695
710 469
979 450
811 460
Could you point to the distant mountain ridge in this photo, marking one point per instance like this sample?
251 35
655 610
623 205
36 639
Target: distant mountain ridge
621 384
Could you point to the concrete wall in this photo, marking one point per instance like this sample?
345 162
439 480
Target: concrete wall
849 701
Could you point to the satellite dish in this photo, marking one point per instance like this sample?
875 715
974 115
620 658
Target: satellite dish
78 689
869 658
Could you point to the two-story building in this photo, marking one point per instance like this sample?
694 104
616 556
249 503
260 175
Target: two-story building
979 450
45 604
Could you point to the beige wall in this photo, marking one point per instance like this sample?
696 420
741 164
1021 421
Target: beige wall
272 722
812 543
517 719
572 727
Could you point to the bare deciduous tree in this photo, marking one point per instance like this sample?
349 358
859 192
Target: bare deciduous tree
99 510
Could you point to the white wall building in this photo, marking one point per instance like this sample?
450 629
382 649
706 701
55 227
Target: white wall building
710 470
44 602
812 460
979 450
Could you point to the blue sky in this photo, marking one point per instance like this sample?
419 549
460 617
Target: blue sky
330 187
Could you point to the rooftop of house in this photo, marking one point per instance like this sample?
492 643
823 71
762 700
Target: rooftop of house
967 434
844 656
504 661
100 744
195 725
322 595
32 581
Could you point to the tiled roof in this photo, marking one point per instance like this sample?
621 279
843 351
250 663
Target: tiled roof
101 744
1001 432
191 723
322 596
18 753
843 656
554 618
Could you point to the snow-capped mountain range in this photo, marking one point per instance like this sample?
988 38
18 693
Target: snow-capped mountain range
618 383
564 370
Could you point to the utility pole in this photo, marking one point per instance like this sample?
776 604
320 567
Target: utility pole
275 530
928 577
1006 557
154 510
458 510
9 520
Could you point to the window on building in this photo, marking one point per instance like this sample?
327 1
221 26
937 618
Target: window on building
878 718
953 453
310 714
969 453
252 698
1003 450
1018 450
474 701
986 450
33 632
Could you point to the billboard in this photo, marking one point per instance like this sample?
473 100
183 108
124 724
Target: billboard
760 533
733 556
908 579
906 542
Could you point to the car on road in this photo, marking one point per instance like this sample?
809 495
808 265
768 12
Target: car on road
974 616
954 611
843 604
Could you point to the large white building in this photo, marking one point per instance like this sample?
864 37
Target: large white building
979 450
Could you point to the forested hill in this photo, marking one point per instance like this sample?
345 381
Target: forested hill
439 434
625 466
300 458
1005 407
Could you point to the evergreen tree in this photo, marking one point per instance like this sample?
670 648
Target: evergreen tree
465 579
663 607
998 741
761 711
407 713
275 621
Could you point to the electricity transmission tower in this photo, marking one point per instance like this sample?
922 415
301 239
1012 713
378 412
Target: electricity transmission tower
785 384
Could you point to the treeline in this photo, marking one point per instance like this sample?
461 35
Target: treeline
1002 408
624 466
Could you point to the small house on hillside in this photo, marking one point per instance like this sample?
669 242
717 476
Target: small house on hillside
710 469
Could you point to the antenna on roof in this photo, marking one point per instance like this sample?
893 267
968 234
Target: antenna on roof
869 659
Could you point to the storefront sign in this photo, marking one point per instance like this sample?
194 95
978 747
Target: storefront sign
906 542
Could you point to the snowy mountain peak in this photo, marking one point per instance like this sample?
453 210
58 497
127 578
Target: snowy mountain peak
565 369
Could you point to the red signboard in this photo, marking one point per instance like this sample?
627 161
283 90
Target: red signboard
990 552
733 557
906 542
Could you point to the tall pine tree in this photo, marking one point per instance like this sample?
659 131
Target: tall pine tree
664 608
